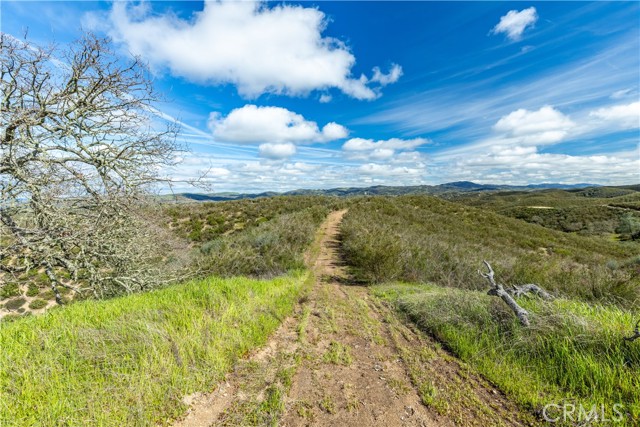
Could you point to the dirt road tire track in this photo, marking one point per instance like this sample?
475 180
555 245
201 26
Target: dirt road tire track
345 359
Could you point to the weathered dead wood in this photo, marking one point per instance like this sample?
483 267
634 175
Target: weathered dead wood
524 290
498 290
636 333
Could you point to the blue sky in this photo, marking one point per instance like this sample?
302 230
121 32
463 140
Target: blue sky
279 96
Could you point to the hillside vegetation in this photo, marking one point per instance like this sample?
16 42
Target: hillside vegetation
258 238
601 211
574 349
131 360
573 353
425 239
261 237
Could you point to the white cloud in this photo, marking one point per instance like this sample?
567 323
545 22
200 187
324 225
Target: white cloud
514 23
626 116
384 79
394 150
384 150
388 170
258 48
544 126
275 125
277 151
360 144
325 98
512 154
622 93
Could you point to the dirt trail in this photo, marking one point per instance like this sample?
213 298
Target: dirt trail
344 359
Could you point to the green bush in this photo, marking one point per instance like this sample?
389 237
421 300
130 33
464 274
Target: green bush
424 239
38 304
9 290
33 290
202 222
14 304
269 249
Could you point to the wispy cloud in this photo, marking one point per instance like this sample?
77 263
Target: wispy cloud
467 109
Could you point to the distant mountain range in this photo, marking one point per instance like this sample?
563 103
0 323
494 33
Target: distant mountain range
381 190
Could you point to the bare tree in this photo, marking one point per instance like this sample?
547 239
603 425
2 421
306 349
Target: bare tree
80 151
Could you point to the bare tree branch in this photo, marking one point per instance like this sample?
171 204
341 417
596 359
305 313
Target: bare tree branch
523 290
636 333
498 290
80 151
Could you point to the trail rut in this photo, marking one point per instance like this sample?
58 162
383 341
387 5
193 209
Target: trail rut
345 359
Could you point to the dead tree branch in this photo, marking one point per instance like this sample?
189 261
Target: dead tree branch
524 290
498 290
636 333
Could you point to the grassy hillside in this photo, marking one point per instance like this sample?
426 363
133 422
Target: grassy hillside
130 360
425 239
258 238
573 353
202 222
268 249
591 211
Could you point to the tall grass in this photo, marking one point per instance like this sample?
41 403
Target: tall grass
424 239
269 249
202 222
129 361
573 353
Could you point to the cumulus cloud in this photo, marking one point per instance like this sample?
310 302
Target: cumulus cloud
276 130
360 144
544 126
254 125
514 23
368 149
388 170
258 48
277 151
385 150
384 79
529 166
626 116
512 154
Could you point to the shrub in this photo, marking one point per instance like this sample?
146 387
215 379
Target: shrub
424 239
9 290
14 304
269 249
38 304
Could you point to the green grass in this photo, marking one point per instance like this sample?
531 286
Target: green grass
592 211
573 352
129 361
266 250
425 239
338 354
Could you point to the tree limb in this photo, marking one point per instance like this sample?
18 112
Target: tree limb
498 290
636 333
